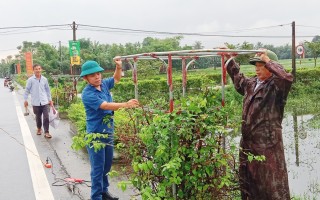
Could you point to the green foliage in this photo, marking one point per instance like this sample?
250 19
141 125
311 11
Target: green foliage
315 121
183 148
157 45
76 114
305 92
315 50
307 75
56 60
149 88
21 79
252 157
63 95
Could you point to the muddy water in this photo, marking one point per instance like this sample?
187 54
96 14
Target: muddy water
302 151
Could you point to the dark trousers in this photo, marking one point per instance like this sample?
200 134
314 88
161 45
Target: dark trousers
38 111
101 162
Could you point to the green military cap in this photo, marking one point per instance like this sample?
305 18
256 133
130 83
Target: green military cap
270 54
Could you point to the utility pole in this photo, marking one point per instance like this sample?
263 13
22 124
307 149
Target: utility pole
60 57
293 53
74 38
74 28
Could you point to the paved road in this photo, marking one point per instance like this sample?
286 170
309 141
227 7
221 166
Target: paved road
23 153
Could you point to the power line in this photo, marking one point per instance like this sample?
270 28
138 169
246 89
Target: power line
35 31
28 27
254 29
7 49
139 31
126 30
318 27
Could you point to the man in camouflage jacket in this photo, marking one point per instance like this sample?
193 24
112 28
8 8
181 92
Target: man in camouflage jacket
263 106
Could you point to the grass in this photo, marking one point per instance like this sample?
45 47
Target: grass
287 64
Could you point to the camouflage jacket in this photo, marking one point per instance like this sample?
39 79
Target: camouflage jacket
263 108
261 129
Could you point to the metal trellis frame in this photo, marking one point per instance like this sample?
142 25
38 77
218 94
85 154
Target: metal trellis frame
184 55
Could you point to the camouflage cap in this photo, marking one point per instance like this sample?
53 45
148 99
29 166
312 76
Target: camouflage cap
270 54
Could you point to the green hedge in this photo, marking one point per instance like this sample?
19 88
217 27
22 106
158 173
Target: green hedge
156 86
308 74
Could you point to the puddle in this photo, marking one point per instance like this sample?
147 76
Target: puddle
302 149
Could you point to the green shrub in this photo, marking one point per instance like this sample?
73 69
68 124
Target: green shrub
182 148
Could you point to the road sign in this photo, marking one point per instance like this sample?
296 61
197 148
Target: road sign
300 50
74 50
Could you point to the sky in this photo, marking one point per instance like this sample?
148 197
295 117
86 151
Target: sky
213 22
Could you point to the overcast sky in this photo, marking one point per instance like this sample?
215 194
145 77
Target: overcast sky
223 17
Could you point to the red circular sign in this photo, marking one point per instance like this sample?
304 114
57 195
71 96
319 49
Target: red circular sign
300 50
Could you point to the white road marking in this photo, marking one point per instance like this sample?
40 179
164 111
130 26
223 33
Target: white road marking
40 182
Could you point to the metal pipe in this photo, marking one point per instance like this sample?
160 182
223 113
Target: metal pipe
222 80
170 83
184 77
135 77
193 52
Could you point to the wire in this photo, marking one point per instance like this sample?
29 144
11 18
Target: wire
309 26
22 145
67 180
16 33
217 35
169 33
7 49
128 30
72 185
258 28
28 27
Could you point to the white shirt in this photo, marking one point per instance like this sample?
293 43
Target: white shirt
39 90
258 84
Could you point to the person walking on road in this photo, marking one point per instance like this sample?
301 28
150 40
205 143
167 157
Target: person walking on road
37 85
263 106
98 104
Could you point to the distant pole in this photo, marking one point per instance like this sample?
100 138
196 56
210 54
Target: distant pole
60 57
294 50
74 28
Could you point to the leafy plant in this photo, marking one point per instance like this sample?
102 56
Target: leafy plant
183 149
76 114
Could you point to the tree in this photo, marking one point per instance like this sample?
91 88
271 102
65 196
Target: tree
197 45
316 38
283 52
156 45
258 45
241 59
315 50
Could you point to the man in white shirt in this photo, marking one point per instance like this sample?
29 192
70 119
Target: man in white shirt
38 87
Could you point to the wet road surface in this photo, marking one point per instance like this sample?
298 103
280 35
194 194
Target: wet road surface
23 155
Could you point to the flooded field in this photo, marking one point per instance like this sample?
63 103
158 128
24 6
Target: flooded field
302 151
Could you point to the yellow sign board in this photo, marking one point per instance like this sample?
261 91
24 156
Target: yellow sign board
75 60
